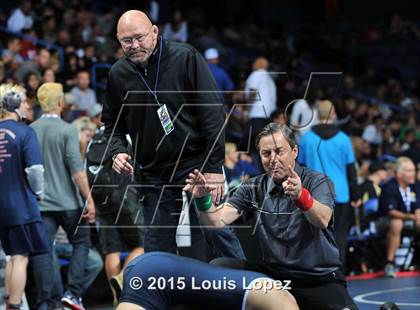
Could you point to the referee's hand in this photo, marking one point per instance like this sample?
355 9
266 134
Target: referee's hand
292 185
197 184
122 165
218 182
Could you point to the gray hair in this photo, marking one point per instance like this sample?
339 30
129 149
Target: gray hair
273 128
400 162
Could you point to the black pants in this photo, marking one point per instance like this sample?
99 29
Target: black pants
343 219
326 292
162 208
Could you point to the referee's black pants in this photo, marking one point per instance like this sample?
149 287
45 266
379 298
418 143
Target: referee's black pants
327 292
343 219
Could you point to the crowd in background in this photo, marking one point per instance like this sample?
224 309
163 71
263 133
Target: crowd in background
368 70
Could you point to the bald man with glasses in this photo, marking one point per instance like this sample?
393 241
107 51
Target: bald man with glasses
163 95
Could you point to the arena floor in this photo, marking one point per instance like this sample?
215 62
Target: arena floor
370 294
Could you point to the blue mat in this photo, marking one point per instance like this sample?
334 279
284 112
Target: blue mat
370 294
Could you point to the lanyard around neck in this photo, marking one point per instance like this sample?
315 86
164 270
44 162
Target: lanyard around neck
50 116
153 92
405 194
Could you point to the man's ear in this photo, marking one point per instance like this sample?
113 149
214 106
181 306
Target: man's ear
155 30
295 152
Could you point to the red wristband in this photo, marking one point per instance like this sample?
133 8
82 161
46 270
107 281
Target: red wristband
305 201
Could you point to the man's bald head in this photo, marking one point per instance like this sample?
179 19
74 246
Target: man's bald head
260 63
133 20
137 35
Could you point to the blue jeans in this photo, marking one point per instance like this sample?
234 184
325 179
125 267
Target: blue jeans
47 291
162 209
94 264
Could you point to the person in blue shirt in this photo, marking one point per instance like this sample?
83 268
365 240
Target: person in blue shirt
157 280
237 169
327 149
21 184
222 78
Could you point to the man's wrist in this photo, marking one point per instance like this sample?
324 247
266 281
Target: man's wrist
305 200
204 203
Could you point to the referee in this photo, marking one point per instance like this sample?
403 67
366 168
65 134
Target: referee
292 207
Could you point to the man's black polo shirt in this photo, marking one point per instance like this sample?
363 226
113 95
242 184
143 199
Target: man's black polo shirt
289 242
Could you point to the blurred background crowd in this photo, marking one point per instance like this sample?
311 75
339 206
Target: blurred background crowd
369 66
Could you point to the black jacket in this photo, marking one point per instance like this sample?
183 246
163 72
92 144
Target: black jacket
189 91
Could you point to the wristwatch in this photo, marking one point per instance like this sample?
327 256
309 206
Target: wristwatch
114 156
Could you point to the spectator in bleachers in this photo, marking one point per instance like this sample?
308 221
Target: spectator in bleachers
304 115
358 122
373 132
367 248
85 96
237 169
326 149
48 75
64 40
49 26
399 202
95 115
21 17
40 62
84 22
28 49
262 95
370 191
69 110
279 117
65 176
71 68
177 29
389 141
11 56
54 64
31 82
86 129
222 78
361 151
88 56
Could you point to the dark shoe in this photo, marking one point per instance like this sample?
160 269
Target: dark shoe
390 270
72 302
117 284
